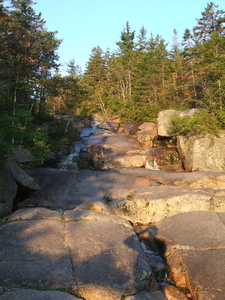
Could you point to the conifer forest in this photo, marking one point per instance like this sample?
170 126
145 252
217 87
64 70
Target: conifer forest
132 84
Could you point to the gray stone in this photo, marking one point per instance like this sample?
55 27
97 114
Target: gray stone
86 215
37 213
194 247
108 260
116 152
32 253
27 294
204 153
69 189
96 205
92 255
150 204
64 190
21 177
22 155
203 230
8 190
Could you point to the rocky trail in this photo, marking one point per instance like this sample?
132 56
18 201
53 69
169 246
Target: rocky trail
126 228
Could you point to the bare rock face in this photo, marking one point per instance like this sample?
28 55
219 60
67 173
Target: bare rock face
128 128
164 116
92 255
202 153
111 126
146 134
28 294
147 205
116 152
194 244
21 177
8 190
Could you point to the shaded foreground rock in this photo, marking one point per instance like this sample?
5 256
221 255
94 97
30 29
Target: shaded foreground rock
27 294
194 248
8 190
21 177
90 255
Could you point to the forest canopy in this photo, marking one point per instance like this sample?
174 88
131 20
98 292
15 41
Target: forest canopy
134 83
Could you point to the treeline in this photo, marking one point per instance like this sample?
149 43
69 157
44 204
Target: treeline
28 58
134 83
144 76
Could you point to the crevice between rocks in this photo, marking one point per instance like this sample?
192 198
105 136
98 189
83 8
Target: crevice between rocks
71 262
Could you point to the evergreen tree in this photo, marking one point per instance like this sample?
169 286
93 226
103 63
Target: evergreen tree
212 20
178 69
27 54
126 43
189 64
125 62
95 79
142 40
73 70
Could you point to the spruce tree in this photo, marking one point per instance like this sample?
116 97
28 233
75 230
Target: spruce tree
212 20
27 54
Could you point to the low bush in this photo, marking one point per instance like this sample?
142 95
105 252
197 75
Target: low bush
203 122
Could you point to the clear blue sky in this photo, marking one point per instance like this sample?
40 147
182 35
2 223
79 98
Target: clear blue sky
85 24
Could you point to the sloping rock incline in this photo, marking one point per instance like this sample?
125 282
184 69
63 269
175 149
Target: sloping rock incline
138 195
194 247
90 255
151 204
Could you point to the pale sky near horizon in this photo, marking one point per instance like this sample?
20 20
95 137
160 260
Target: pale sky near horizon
85 24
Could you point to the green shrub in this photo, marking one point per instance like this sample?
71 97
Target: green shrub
61 133
203 122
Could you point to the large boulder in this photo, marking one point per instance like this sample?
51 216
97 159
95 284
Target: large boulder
91 255
163 121
202 153
146 134
194 248
8 190
116 152
23 180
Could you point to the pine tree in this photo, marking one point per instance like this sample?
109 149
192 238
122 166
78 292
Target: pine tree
126 43
27 54
95 79
209 51
125 61
212 20
142 40
189 64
